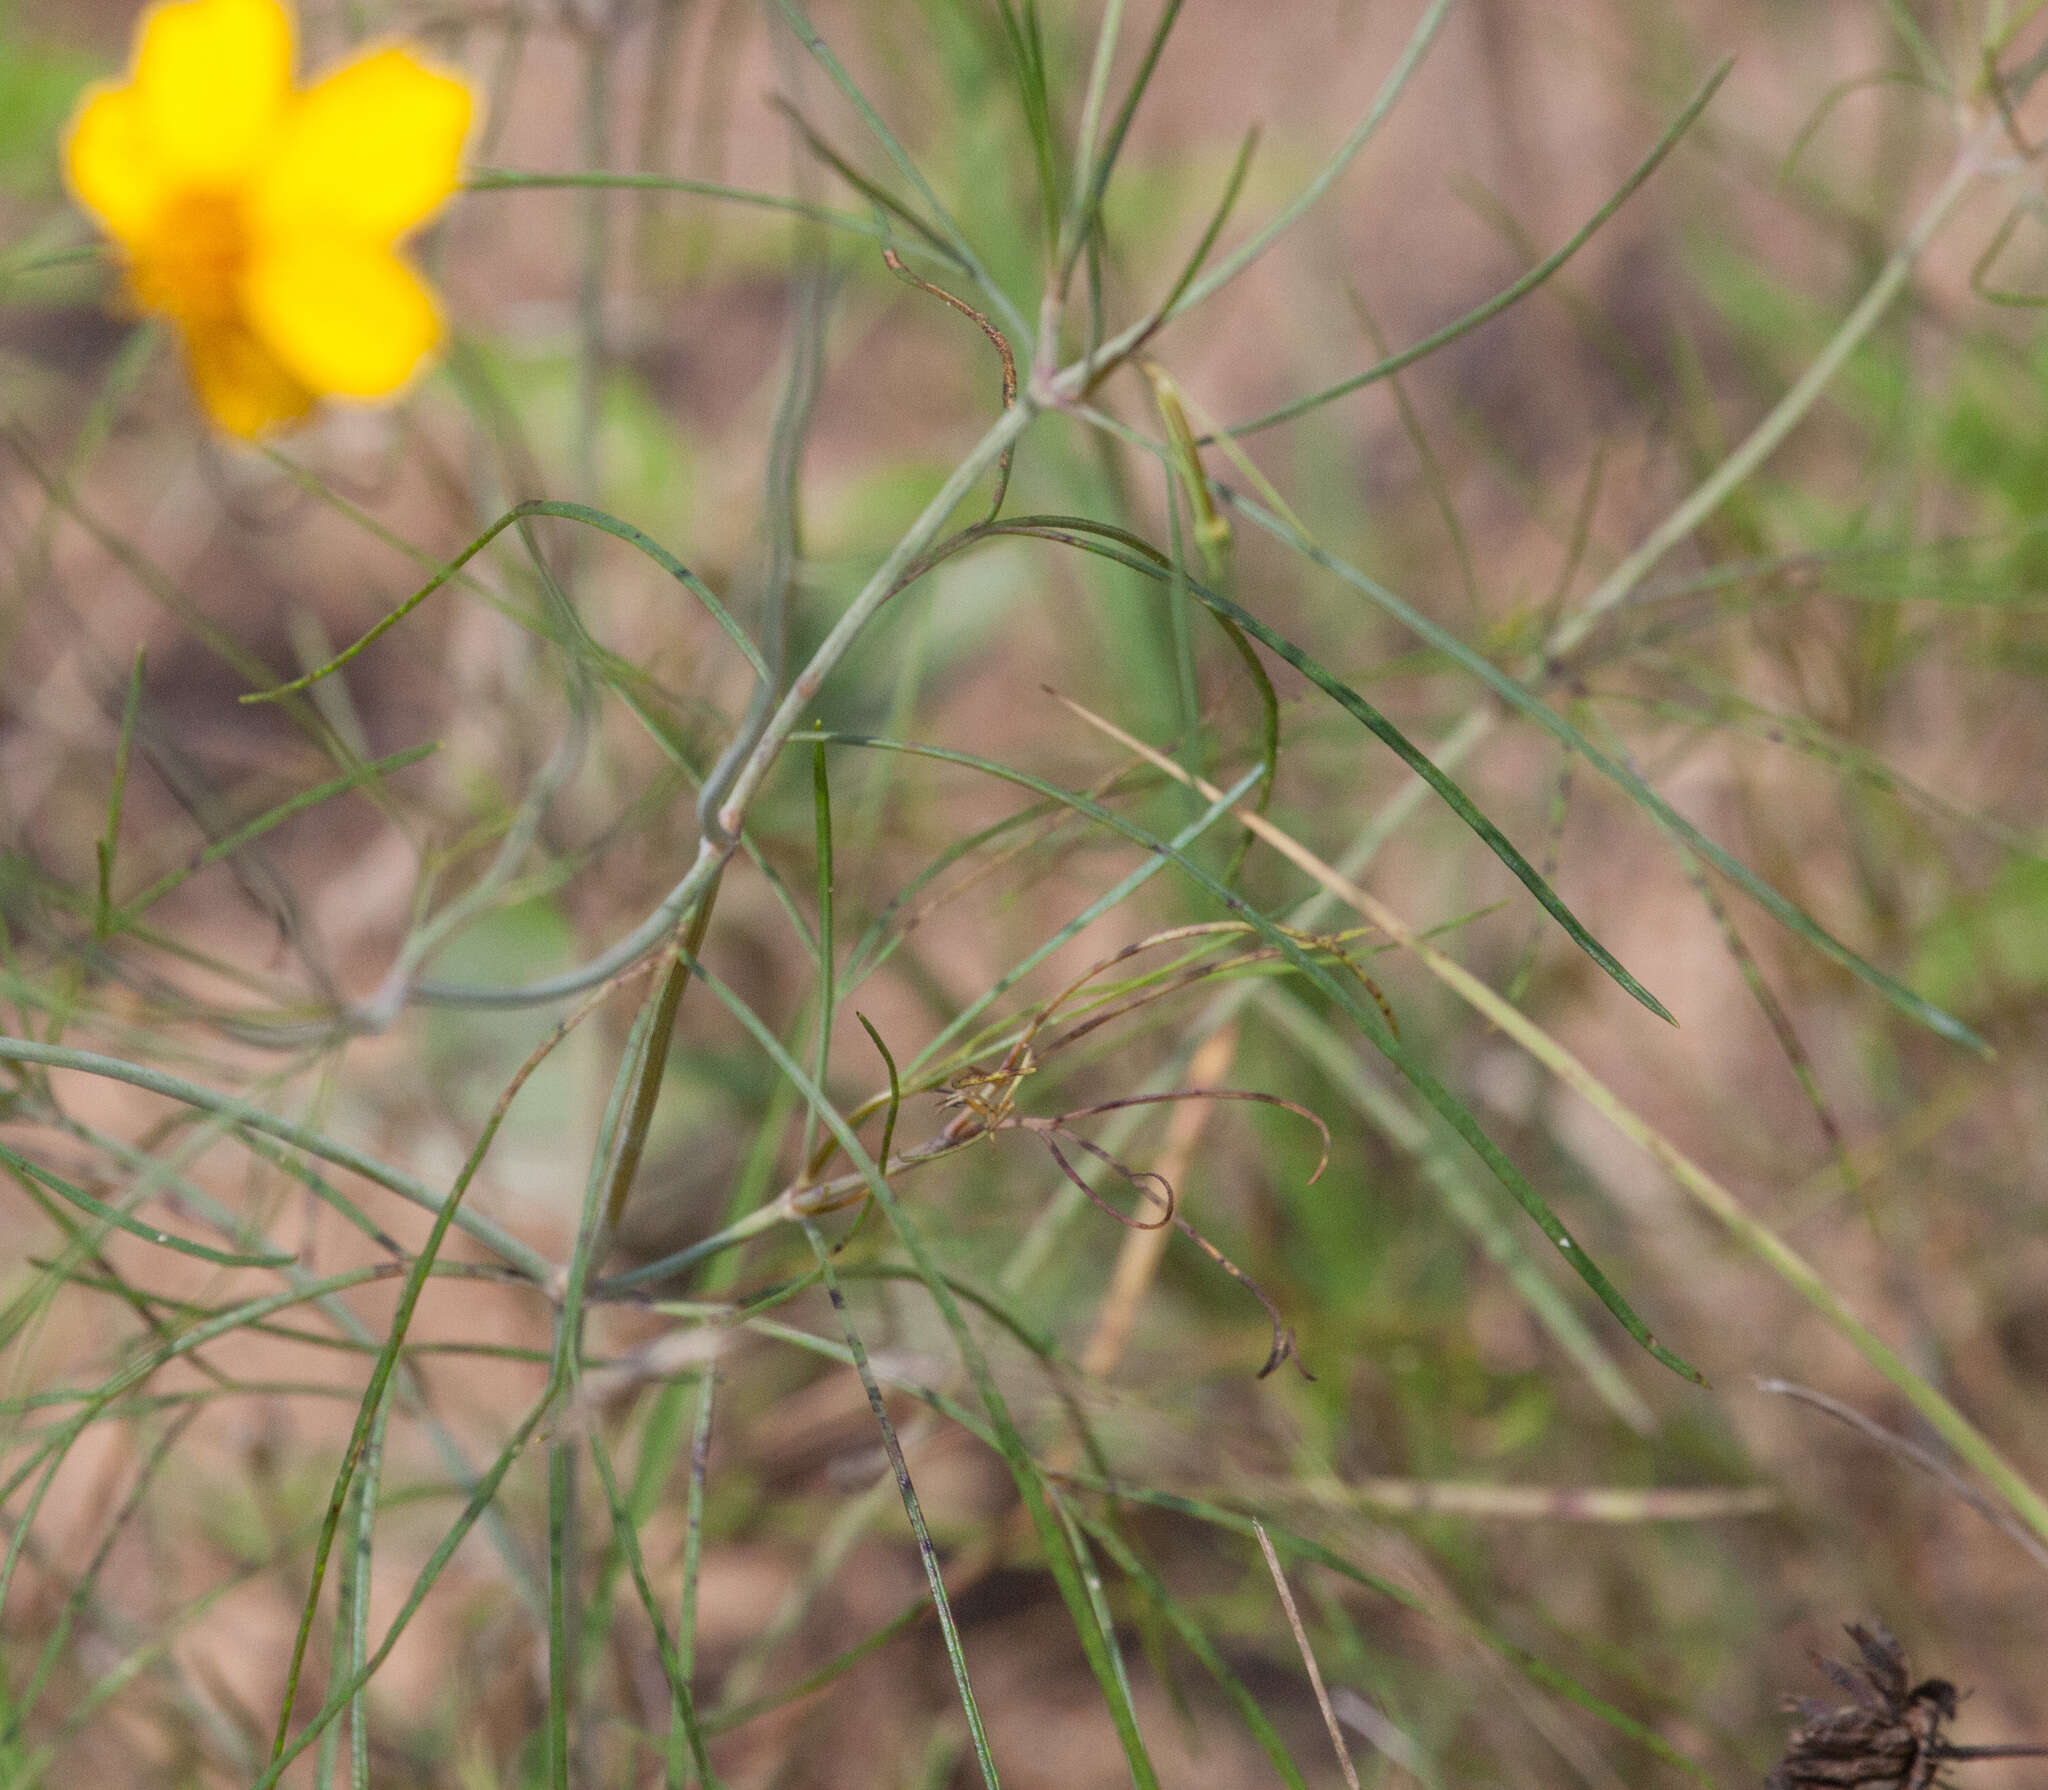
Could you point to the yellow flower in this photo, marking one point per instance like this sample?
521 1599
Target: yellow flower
263 219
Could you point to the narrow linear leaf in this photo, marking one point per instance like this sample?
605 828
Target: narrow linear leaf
572 512
522 1257
1520 289
136 1227
912 1509
492 180
357 777
1025 1472
1089 214
1525 701
1128 550
1362 1011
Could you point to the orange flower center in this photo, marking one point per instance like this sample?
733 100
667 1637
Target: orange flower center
192 266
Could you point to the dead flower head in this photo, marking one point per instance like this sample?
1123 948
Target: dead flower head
1886 1737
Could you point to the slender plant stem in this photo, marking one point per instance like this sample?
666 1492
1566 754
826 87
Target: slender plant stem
1789 411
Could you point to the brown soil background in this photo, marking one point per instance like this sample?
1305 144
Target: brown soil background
1694 1628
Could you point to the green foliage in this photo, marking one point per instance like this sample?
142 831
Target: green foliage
39 84
1990 948
736 1135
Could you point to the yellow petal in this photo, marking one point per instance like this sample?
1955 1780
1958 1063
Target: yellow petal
108 165
245 388
213 78
373 148
345 317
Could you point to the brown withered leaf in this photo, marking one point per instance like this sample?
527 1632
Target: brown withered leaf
1887 1737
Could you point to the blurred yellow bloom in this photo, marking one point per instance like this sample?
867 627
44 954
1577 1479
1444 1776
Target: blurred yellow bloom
263 219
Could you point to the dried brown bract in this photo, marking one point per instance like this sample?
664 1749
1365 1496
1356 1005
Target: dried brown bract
1888 1737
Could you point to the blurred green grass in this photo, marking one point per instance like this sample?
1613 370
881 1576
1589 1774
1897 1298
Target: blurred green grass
1839 678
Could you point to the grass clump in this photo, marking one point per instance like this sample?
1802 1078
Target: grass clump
983 971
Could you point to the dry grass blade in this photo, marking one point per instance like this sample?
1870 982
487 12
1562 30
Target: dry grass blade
1308 1657
1001 343
1928 1462
337 768
1137 1261
1792 1268
1489 1501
